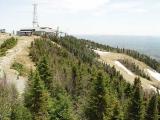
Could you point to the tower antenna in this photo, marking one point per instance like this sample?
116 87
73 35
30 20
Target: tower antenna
35 17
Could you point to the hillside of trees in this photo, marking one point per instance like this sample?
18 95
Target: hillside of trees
141 57
70 84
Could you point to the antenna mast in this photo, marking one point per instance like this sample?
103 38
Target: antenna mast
35 17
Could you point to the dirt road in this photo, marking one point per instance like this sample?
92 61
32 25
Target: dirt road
19 50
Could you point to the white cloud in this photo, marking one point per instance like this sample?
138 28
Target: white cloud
95 7
74 5
128 6
140 10
85 4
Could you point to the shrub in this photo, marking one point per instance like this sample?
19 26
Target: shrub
20 68
8 44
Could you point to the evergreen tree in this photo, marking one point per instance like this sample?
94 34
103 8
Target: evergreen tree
158 105
61 109
74 79
37 99
45 72
152 110
97 102
19 112
117 113
76 83
136 108
128 90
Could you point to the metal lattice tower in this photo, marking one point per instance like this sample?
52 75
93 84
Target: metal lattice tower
35 17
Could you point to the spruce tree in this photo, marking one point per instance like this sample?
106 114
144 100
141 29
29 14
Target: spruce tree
45 72
97 102
136 108
62 107
117 113
19 112
76 83
37 99
152 110
74 80
158 106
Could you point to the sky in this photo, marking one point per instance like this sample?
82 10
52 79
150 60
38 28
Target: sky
98 17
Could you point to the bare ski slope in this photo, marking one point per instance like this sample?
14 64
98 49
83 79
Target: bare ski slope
112 59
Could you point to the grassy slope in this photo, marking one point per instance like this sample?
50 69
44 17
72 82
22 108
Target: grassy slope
111 57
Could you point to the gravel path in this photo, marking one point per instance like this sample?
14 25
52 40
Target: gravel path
11 75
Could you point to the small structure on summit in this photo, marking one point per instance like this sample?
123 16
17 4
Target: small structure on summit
36 29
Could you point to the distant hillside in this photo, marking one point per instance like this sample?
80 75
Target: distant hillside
141 57
144 44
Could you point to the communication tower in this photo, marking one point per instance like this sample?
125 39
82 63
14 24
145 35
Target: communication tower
35 17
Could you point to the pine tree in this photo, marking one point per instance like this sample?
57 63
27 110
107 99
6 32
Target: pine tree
97 102
152 110
74 79
117 113
37 99
28 90
136 108
45 72
19 112
128 90
159 105
61 109
76 89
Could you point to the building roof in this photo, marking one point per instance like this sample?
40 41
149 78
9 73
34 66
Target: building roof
39 29
45 29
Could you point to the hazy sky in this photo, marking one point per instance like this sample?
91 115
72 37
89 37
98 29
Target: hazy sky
117 17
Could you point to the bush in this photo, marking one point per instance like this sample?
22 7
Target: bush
20 68
8 44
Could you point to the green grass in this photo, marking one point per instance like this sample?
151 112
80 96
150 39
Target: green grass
20 68
8 44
